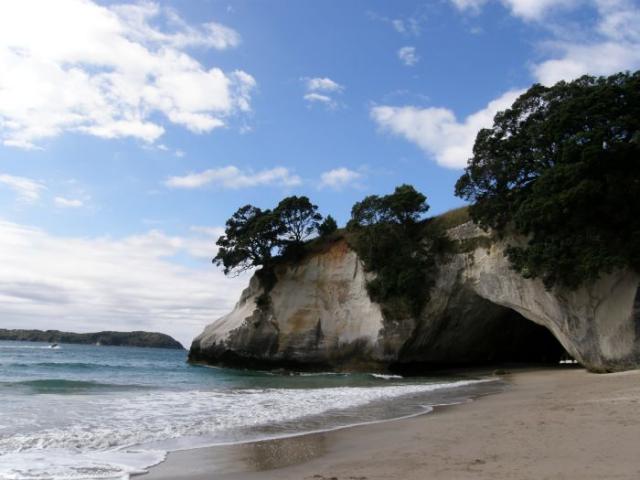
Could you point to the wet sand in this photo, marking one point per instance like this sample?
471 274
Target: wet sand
550 424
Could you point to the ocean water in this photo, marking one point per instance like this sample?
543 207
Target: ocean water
91 412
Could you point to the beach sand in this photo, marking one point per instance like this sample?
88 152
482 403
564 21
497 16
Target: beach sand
549 424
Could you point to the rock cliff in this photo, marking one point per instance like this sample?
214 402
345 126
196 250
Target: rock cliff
480 312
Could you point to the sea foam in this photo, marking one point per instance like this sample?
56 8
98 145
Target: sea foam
113 436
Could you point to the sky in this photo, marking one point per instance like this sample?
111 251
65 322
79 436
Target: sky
130 132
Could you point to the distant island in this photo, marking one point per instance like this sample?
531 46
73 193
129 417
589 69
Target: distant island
120 339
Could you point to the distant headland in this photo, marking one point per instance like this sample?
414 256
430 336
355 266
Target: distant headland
120 339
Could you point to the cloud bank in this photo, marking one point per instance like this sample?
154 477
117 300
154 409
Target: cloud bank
130 283
111 72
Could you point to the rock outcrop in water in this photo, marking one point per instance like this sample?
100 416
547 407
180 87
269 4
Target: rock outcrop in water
480 312
120 339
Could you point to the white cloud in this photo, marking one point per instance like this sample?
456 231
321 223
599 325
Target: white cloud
537 9
214 232
398 25
233 178
339 178
28 190
473 6
130 283
323 84
530 10
437 131
615 46
321 90
109 71
68 202
409 26
408 56
318 97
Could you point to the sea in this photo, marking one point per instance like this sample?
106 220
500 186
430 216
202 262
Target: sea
101 412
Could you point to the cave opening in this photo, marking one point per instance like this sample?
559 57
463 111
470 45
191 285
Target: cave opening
479 334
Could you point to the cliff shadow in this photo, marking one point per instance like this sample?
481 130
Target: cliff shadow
474 332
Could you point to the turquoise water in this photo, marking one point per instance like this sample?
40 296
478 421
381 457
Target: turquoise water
84 411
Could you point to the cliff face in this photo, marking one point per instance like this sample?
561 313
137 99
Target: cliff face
480 312
320 315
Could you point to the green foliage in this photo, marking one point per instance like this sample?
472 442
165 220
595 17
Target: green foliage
404 206
562 168
327 227
250 236
388 237
299 218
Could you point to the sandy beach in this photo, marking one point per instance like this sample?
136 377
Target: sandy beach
549 424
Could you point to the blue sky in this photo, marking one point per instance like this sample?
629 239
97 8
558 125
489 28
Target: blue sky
129 132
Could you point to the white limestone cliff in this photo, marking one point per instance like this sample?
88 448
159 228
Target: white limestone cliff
322 317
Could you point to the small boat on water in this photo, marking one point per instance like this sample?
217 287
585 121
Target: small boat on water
54 345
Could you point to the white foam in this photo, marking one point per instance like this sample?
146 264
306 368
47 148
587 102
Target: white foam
64 464
100 433
385 377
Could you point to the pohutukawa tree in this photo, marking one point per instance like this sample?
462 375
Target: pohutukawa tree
561 168
299 217
251 235
404 206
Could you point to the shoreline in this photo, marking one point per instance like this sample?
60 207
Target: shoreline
549 423
223 456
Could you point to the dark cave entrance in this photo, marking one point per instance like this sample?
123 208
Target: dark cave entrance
479 334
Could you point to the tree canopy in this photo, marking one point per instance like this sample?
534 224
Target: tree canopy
328 226
299 218
249 238
253 237
404 206
561 167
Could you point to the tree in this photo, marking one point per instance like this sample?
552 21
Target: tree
404 206
561 168
250 236
299 218
328 226
388 237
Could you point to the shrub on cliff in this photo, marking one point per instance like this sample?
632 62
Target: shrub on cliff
561 167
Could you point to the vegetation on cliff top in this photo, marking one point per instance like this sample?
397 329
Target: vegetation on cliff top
388 232
561 168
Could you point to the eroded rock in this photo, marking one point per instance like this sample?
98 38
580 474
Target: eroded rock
480 311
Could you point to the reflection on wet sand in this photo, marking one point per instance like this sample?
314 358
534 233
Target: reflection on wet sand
247 457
